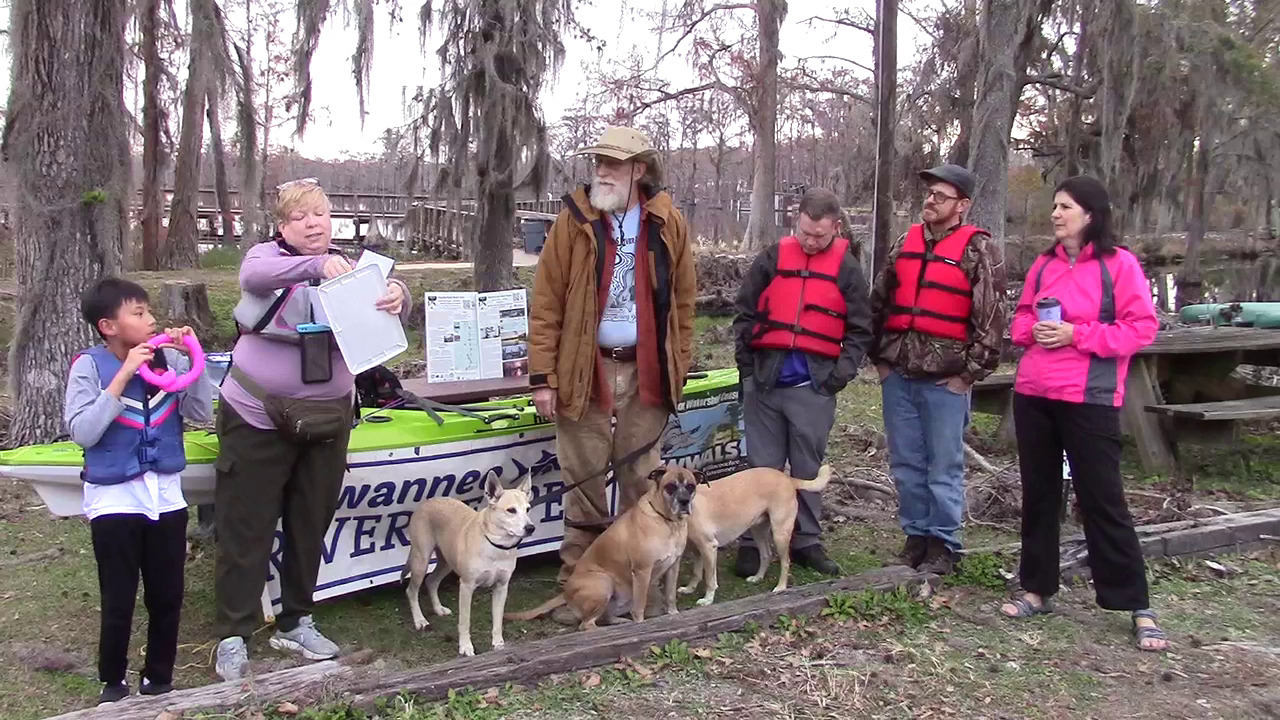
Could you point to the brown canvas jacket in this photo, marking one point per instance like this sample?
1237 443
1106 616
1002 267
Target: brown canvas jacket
565 313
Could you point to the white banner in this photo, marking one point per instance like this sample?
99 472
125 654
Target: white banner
367 544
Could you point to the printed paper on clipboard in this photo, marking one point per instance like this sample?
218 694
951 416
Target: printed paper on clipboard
366 336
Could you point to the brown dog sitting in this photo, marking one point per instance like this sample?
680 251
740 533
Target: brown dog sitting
759 499
613 576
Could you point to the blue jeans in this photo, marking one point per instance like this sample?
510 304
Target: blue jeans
924 424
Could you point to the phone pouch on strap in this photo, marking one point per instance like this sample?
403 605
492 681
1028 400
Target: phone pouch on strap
317 353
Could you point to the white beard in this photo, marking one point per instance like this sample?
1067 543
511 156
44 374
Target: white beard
608 198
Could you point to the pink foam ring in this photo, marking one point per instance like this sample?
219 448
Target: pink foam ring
169 381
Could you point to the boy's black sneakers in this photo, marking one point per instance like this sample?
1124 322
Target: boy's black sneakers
149 688
112 693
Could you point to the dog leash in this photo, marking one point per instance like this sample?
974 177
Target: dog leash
610 466
433 409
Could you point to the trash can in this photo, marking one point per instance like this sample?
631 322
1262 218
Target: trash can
217 365
535 235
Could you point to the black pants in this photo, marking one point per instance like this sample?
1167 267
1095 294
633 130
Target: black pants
263 477
1090 434
124 547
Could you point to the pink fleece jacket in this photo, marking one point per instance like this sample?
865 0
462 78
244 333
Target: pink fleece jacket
1094 367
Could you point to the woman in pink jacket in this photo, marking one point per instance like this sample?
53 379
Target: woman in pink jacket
1085 311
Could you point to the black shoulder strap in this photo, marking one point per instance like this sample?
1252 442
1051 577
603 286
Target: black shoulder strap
602 238
271 311
597 228
661 262
573 208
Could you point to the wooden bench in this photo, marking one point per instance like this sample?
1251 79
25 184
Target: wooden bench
1216 423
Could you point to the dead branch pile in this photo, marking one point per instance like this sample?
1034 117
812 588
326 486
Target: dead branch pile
719 277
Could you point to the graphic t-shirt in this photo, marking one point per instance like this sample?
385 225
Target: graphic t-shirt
618 324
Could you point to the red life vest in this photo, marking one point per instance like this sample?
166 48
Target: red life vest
803 308
934 295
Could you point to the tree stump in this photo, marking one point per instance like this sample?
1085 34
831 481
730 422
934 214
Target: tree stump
187 303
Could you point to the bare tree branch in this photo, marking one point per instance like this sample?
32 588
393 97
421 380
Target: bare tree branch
926 28
1055 81
820 87
854 63
669 96
843 22
690 27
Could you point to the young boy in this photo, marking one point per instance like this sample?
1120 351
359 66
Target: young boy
132 435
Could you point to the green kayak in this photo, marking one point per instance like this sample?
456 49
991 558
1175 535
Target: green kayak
54 469
1246 314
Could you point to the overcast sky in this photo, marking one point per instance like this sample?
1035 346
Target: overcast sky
400 64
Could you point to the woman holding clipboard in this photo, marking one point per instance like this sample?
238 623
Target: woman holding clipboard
283 423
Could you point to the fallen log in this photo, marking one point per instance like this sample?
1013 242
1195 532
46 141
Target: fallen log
1225 533
521 663
977 459
866 485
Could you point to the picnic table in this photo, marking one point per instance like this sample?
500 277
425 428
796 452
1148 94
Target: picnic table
1179 389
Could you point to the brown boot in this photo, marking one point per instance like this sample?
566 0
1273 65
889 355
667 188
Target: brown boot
913 551
938 559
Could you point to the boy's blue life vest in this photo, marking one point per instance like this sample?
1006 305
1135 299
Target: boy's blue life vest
147 435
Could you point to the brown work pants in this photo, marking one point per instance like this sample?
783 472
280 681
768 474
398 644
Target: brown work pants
263 477
587 446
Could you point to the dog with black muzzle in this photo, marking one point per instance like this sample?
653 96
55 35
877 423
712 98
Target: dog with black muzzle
614 574
480 546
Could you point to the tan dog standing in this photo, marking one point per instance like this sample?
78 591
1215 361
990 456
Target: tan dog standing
479 546
758 499
613 576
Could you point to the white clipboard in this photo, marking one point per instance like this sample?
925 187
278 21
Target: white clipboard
366 336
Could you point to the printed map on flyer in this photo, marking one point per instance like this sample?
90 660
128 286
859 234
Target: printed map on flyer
453 337
475 336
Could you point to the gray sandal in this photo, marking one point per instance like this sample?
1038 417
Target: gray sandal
1026 609
1144 632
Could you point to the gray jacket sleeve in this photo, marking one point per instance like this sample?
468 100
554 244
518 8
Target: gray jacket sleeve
196 401
88 409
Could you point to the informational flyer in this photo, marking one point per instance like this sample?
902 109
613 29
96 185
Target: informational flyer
476 336
504 333
453 337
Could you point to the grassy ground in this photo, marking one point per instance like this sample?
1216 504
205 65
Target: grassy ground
943 656
895 656
891 656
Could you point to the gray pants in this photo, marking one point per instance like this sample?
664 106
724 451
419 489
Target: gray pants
790 426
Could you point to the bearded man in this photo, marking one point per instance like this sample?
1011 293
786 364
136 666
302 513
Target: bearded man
611 330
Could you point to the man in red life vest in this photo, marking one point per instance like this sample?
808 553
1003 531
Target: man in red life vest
938 321
803 325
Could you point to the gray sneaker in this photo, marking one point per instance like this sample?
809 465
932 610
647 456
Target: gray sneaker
233 658
305 640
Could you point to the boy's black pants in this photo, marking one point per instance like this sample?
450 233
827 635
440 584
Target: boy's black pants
1090 434
128 546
